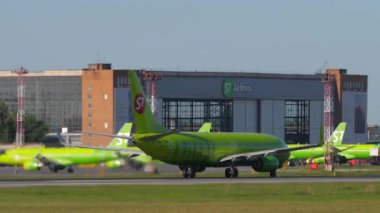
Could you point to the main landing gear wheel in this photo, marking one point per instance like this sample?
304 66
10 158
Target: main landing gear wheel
231 172
273 173
53 168
70 169
188 171
235 173
192 172
185 173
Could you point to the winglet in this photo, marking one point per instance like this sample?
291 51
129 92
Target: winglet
206 127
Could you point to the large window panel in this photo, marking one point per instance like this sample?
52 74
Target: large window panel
297 121
189 115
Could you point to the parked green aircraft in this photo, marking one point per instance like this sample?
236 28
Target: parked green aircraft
318 152
60 158
346 152
360 151
342 152
194 151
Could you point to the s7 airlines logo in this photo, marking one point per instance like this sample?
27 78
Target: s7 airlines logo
121 141
337 136
227 88
139 103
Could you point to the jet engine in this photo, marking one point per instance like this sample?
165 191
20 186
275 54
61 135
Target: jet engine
266 164
319 160
340 159
115 164
337 159
32 166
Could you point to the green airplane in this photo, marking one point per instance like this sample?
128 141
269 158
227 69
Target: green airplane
345 152
138 160
342 152
357 152
55 159
320 151
194 151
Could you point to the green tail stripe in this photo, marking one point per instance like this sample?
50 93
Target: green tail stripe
142 114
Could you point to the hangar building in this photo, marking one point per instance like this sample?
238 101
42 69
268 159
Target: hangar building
53 96
290 106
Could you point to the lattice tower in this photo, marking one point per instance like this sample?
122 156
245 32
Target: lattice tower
20 129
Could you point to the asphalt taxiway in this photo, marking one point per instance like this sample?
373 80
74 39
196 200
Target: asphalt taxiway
169 175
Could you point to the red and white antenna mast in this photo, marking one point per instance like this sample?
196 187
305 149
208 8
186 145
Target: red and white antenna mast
151 79
328 85
20 129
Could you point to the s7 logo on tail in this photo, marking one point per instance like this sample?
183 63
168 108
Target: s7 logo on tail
139 103
337 136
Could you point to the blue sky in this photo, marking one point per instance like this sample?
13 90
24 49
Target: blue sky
258 36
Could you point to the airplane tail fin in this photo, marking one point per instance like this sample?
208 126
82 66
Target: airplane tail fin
121 143
206 127
337 137
142 114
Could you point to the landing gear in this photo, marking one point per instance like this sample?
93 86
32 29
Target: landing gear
135 165
231 172
273 173
150 169
70 169
228 172
188 171
192 172
53 168
185 173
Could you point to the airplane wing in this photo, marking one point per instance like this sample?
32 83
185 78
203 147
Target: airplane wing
251 156
347 156
55 161
146 138
343 148
131 152
109 135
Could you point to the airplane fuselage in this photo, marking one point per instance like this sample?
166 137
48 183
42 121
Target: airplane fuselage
69 155
350 151
206 149
307 154
361 151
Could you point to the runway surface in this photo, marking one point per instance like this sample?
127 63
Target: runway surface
169 175
180 181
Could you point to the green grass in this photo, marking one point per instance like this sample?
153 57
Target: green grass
334 197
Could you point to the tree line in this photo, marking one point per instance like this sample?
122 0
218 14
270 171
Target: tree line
34 129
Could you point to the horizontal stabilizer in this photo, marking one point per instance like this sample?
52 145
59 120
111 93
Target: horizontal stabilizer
132 153
109 135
